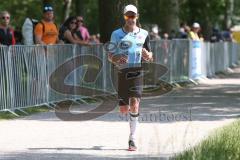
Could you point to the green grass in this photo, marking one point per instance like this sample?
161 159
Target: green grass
33 110
4 115
224 144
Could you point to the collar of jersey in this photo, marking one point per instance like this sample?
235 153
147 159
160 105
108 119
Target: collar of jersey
131 32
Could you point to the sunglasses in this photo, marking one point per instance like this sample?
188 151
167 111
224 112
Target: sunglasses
130 17
73 22
80 21
48 9
6 17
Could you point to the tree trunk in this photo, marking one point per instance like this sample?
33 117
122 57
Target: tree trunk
47 2
67 8
228 13
168 15
80 9
110 16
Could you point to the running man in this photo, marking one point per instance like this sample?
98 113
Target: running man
132 47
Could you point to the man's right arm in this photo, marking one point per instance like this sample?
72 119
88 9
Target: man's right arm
114 57
38 33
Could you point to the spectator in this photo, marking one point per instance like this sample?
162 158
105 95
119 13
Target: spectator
165 36
82 32
187 30
18 37
195 31
6 32
154 33
68 30
215 36
46 31
98 37
183 34
93 39
227 35
172 34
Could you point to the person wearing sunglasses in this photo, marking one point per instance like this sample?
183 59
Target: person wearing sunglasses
46 31
82 31
132 47
67 32
6 32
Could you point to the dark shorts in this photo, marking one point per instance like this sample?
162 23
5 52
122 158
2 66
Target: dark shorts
129 85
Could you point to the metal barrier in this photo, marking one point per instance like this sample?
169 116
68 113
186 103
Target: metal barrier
57 55
179 60
27 73
25 70
5 90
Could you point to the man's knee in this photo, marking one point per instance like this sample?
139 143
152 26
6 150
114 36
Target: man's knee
124 109
134 104
134 101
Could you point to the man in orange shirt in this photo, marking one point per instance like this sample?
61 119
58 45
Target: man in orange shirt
46 31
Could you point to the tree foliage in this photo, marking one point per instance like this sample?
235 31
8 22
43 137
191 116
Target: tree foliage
164 13
110 16
105 15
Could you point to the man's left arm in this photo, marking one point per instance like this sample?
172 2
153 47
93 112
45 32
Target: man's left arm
147 55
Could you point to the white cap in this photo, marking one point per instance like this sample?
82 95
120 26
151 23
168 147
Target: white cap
131 8
196 25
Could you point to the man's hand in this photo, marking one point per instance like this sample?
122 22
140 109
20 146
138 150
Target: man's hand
147 56
38 40
118 59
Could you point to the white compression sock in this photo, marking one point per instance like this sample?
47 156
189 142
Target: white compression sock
133 122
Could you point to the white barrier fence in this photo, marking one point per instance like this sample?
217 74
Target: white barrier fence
25 71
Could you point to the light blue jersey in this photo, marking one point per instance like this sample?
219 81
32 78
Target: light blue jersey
130 44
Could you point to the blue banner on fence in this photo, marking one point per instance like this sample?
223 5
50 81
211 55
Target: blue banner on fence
196 60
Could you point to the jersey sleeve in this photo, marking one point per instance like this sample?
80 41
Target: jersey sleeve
113 38
146 44
38 31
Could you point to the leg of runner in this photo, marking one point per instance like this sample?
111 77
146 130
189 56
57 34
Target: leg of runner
124 109
133 122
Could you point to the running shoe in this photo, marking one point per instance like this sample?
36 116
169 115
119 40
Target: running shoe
132 146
